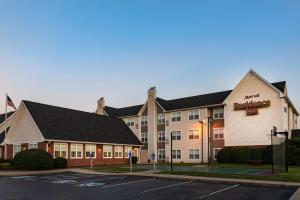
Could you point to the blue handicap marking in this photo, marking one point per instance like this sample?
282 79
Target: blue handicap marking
91 184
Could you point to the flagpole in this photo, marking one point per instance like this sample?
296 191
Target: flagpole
5 147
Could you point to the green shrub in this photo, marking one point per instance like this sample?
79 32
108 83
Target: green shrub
5 166
225 155
134 159
60 163
294 152
33 159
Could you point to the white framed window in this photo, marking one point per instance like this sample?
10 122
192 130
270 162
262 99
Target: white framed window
161 154
129 121
218 113
32 146
194 114
176 154
61 150
161 119
218 133
90 150
161 136
76 150
118 151
127 150
17 148
144 137
215 152
194 154
194 134
144 121
176 116
176 135
107 151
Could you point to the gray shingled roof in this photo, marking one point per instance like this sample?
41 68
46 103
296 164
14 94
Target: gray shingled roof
2 116
57 123
181 103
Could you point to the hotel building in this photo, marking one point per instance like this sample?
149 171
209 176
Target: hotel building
202 125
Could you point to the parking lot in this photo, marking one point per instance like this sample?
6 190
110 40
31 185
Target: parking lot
112 187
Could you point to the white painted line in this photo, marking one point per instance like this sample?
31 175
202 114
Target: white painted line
127 183
213 193
167 186
22 177
101 179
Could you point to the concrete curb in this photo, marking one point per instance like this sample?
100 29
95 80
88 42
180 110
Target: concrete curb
197 178
26 173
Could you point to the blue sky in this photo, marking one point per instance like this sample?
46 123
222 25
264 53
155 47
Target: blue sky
70 53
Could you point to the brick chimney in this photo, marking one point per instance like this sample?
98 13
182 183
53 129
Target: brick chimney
152 92
101 106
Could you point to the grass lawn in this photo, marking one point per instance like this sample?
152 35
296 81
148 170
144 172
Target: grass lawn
292 176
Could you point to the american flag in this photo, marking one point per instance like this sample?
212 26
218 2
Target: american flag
9 102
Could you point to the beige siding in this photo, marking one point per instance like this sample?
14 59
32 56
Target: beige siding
245 130
23 129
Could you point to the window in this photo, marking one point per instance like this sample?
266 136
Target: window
176 116
194 114
127 150
218 113
61 150
33 146
215 152
218 133
129 121
144 121
176 154
194 134
17 148
90 150
107 151
144 137
118 152
161 118
194 154
176 135
76 150
161 136
161 154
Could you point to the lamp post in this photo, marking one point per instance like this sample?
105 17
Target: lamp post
201 122
208 139
171 152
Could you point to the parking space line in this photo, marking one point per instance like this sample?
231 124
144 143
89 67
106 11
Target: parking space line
216 192
102 179
167 186
127 183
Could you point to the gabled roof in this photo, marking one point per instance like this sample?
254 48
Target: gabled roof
2 116
121 112
194 101
210 99
57 123
2 135
280 85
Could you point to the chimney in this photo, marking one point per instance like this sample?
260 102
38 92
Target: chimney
152 92
101 106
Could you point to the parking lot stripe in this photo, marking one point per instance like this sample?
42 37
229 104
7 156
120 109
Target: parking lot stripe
167 186
216 192
126 183
101 179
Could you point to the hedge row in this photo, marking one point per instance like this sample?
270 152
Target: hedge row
263 155
36 159
245 155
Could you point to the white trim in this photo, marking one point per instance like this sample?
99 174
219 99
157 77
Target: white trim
214 155
158 132
76 151
193 134
67 150
112 151
193 159
176 154
219 128
85 151
158 154
83 142
32 143
176 131
197 107
192 110
8 118
122 151
176 117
